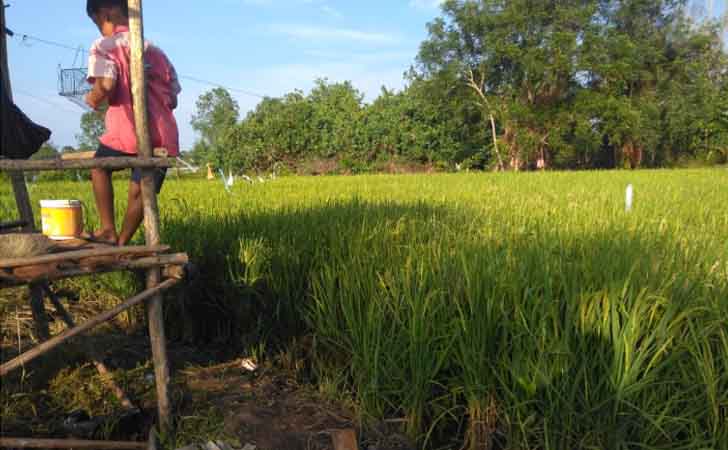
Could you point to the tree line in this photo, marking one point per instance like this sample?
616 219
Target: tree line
504 84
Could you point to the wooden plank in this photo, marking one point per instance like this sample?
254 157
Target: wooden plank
112 163
74 156
91 323
70 443
82 254
173 267
151 211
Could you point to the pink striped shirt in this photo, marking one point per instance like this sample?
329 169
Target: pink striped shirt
109 58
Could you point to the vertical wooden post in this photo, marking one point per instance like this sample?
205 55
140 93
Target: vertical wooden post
151 212
4 53
22 199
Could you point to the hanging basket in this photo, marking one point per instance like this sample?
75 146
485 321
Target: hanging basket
72 85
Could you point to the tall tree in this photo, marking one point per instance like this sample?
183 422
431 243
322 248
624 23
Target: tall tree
214 120
516 59
92 127
580 83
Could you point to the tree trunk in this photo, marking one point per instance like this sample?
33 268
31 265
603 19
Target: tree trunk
495 143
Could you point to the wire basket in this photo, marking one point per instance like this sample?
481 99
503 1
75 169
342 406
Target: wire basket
72 85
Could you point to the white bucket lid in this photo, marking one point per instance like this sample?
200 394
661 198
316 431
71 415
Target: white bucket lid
60 204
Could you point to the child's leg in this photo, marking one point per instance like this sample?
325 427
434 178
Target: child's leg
134 213
104 193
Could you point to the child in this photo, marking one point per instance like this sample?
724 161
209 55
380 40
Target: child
109 72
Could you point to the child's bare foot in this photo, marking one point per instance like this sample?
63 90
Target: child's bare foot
102 236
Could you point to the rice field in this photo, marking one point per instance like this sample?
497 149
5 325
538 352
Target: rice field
511 311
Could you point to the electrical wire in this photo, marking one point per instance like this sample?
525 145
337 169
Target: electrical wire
46 101
27 37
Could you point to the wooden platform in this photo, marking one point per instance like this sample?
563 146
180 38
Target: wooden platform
66 259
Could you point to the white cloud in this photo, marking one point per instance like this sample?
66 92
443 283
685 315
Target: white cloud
309 32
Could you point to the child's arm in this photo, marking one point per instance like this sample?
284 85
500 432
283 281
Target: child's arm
103 87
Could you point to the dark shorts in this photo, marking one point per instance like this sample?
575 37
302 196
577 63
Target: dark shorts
136 174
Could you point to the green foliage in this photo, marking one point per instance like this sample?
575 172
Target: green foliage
549 318
514 84
92 127
585 83
46 151
214 121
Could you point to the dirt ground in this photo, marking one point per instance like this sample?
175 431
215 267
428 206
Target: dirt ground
215 395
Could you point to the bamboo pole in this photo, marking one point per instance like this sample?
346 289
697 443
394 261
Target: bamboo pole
158 153
82 254
70 443
112 163
151 212
54 342
4 55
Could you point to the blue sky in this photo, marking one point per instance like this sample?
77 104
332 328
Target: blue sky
268 47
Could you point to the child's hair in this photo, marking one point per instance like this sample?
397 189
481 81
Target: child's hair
93 6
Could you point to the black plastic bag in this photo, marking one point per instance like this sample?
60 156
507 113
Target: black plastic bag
21 137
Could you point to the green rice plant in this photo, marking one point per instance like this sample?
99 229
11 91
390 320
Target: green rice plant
513 311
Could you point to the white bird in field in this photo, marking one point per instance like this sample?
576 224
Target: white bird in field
629 198
247 178
78 176
231 179
224 180
261 179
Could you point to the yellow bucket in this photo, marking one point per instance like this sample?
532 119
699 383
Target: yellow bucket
61 219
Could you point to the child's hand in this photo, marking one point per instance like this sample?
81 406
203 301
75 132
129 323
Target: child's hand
101 91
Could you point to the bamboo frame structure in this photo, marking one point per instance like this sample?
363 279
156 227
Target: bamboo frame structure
151 210
168 267
54 342
81 254
112 163
22 199
173 266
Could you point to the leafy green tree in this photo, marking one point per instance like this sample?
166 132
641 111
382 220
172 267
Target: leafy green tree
581 83
214 120
335 113
46 151
92 127
516 59
407 126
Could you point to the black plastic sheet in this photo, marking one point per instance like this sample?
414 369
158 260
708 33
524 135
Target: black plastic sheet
21 137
